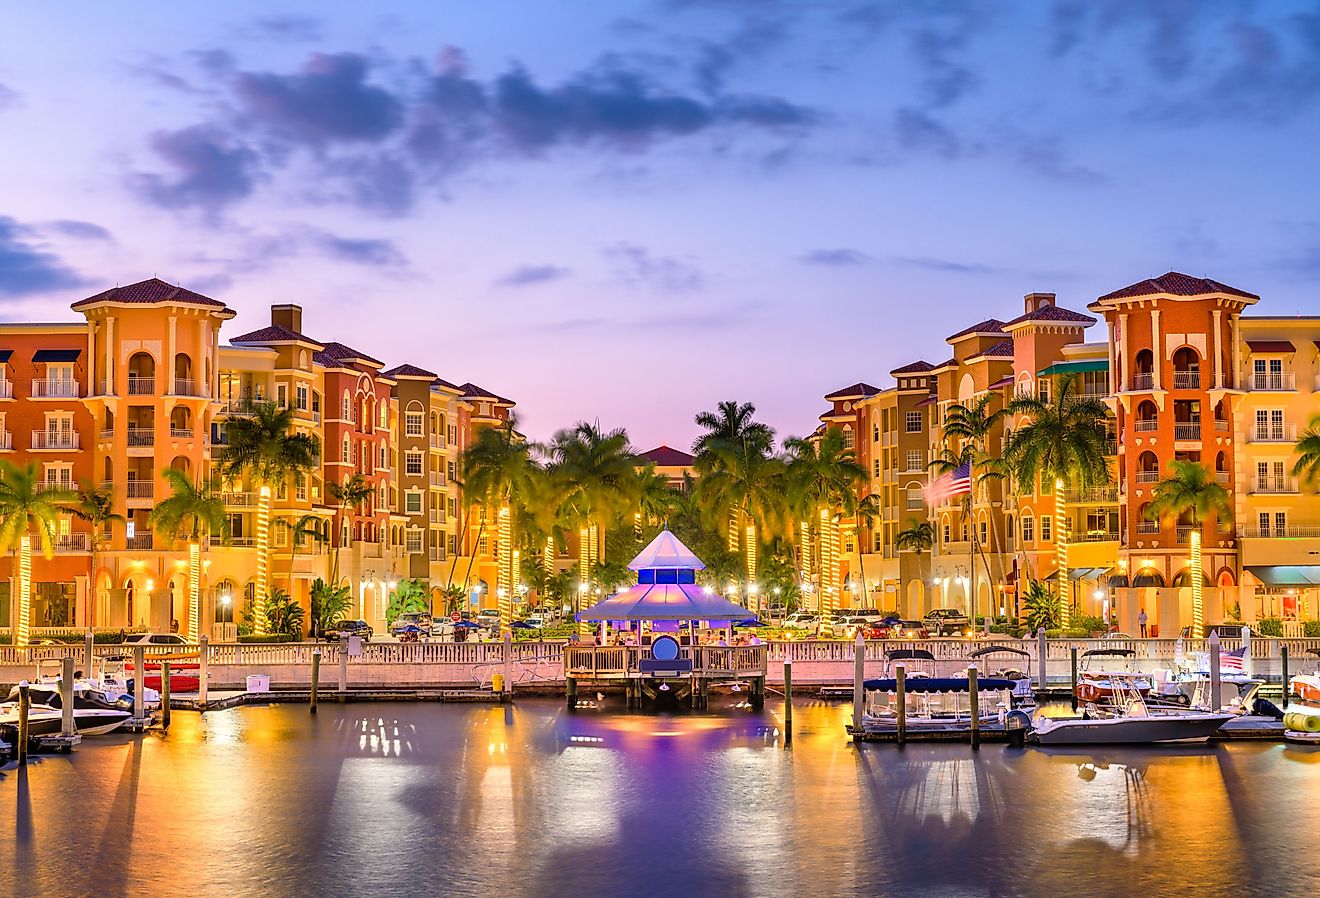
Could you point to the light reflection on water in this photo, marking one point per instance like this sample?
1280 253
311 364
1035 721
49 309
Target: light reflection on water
532 801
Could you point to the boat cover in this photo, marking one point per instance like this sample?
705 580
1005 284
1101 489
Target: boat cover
939 684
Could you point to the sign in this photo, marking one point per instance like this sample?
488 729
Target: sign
455 617
354 646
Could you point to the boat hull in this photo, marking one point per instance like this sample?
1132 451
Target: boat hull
1154 730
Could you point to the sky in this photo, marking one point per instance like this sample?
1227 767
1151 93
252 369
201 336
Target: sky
627 212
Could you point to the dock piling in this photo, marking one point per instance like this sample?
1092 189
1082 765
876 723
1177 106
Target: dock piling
89 654
507 689
1072 653
571 683
139 676
859 675
974 704
202 662
1214 670
1042 648
1283 667
164 694
66 697
900 678
24 706
343 665
788 701
316 677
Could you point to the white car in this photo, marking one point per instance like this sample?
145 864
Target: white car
154 639
802 620
488 618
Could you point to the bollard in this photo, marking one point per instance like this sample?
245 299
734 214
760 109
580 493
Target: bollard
1247 666
164 694
316 677
1072 652
1042 648
66 697
89 655
571 684
974 702
788 701
139 675
343 663
900 676
203 670
1214 670
1283 662
24 706
508 664
859 676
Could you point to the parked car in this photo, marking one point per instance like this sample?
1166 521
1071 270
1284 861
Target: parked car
802 620
911 629
419 619
488 618
947 622
154 639
349 628
535 620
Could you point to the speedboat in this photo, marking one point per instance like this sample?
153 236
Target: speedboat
43 720
1103 686
937 704
1190 687
113 681
1002 668
1126 719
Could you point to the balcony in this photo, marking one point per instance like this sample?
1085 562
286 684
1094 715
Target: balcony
139 541
141 386
1187 380
1288 531
1095 536
1279 433
1143 381
1111 447
47 439
915 504
186 386
1187 430
6 441
1146 477
1148 527
140 489
1221 426
1223 477
141 436
243 499
437 441
1272 383
1275 486
437 478
6 389
181 433
54 389
1096 494
1185 532
1146 425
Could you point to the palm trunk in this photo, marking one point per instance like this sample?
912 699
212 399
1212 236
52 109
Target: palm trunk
1061 553
22 629
263 560
1198 611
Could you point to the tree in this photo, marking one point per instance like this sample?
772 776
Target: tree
329 605
1063 443
1190 489
284 616
27 505
919 537
95 505
306 527
264 447
190 510
1307 465
1043 607
349 495
409 597
822 482
595 482
744 485
731 422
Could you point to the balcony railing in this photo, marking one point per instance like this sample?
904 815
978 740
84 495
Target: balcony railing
1111 447
1187 380
54 389
1221 425
1148 526
71 542
437 441
140 540
242 499
1281 433
181 433
1145 425
1222 476
1143 381
1288 531
1272 383
141 436
6 440
141 386
1185 533
1095 536
46 439
1187 431
1275 486
1094 494
1146 476
186 386
6 389
140 489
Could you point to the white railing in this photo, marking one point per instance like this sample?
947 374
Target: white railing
1094 494
1187 431
141 436
71 542
54 389
1288 531
1143 381
6 440
1148 526
1146 476
186 386
1186 380
1272 383
1274 433
140 489
1276 486
6 389
1095 536
141 386
139 541
1144 425
239 499
181 433
46 439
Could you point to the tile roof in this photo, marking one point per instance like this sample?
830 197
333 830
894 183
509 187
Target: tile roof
151 290
667 457
440 382
916 367
1002 349
472 391
988 326
273 334
857 389
1175 283
1002 382
1052 313
406 370
333 354
945 364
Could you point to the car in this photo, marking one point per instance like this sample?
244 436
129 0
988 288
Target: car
874 615
488 617
419 619
947 622
850 625
154 639
535 621
349 628
911 629
802 620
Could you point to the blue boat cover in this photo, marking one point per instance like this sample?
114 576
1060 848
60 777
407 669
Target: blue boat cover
939 684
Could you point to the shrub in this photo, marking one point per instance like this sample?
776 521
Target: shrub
1089 624
268 637
409 597
1269 626
1043 608
1311 628
284 616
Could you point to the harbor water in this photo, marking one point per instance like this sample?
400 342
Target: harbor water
530 800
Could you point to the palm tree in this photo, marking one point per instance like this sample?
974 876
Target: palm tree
655 497
1190 488
919 536
96 506
306 527
732 427
822 484
744 484
1308 453
263 447
1063 443
864 516
26 504
192 508
348 495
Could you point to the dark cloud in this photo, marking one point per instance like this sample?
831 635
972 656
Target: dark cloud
26 269
372 253
835 257
285 28
210 170
8 97
637 266
948 266
528 275
329 100
81 230
920 132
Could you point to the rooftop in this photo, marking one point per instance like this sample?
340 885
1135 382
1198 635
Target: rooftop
273 334
667 457
333 354
152 290
1052 313
407 370
988 326
917 367
1175 283
855 391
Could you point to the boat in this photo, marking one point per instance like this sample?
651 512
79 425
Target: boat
1004 669
1305 687
1189 686
113 681
916 662
44 720
937 705
1301 718
1102 686
184 677
1125 718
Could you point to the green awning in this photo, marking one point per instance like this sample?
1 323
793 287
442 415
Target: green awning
1079 573
1080 367
1287 574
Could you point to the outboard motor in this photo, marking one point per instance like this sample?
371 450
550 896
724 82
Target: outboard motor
1017 722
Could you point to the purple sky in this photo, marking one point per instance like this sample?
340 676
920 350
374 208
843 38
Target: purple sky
632 215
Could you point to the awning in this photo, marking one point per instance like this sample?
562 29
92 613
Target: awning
4 355
1080 573
1271 346
1286 574
929 400
56 355
1002 382
1079 367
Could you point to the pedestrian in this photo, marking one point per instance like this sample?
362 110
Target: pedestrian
1141 622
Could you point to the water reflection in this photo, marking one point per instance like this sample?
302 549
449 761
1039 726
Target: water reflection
530 800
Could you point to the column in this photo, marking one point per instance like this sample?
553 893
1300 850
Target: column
1236 382
91 359
168 361
1219 360
1125 384
1114 382
200 362
1156 350
109 356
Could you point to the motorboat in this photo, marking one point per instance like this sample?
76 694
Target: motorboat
1102 686
113 681
917 663
936 704
1189 686
43 720
1125 718
1301 719
1012 663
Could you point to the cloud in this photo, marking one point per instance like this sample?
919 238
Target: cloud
328 100
358 251
26 269
947 266
8 97
285 28
920 132
638 267
528 275
211 170
835 257
80 230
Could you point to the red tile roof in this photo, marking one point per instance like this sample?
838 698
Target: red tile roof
857 389
918 367
332 354
442 383
406 370
667 457
945 364
1002 382
1176 283
988 326
472 391
151 290
1002 349
1052 313
273 334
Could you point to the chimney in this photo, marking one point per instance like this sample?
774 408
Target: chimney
287 316
1037 301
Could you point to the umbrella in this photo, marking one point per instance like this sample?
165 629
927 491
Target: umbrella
750 622
466 624
521 625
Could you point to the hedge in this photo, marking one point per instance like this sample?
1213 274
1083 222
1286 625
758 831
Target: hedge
269 637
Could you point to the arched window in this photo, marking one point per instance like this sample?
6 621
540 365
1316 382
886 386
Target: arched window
141 374
1148 467
183 374
849 438
181 422
1028 528
348 407
1147 416
1186 369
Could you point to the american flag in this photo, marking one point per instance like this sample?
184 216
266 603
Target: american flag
1232 661
957 482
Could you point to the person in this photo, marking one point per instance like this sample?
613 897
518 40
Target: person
573 639
754 640
174 625
1141 622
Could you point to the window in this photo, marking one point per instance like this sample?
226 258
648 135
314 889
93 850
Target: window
849 438
413 542
985 532
281 537
453 434
346 451
914 498
300 397
875 468
916 460
451 543
913 422
453 507
347 410
384 456
414 424
58 476
875 433
946 533
1043 394
1046 528
450 468
384 416
412 463
1281 523
282 395
300 487
1028 529
1269 424
412 502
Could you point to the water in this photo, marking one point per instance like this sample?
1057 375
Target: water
413 799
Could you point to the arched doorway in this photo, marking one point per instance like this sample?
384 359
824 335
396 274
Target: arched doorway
141 374
916 600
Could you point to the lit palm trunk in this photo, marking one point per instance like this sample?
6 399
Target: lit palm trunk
194 588
263 561
503 572
1061 553
548 556
732 533
584 571
751 554
1198 614
23 631
804 541
827 564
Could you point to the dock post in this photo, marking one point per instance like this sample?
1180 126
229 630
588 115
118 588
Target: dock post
1214 670
203 667
1042 648
164 695
139 678
788 700
24 706
316 676
89 654
571 683
343 665
859 675
66 697
1283 666
508 665
974 703
900 677
1072 652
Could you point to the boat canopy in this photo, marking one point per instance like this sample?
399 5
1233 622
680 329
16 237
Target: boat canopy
1000 650
940 684
1109 653
916 654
